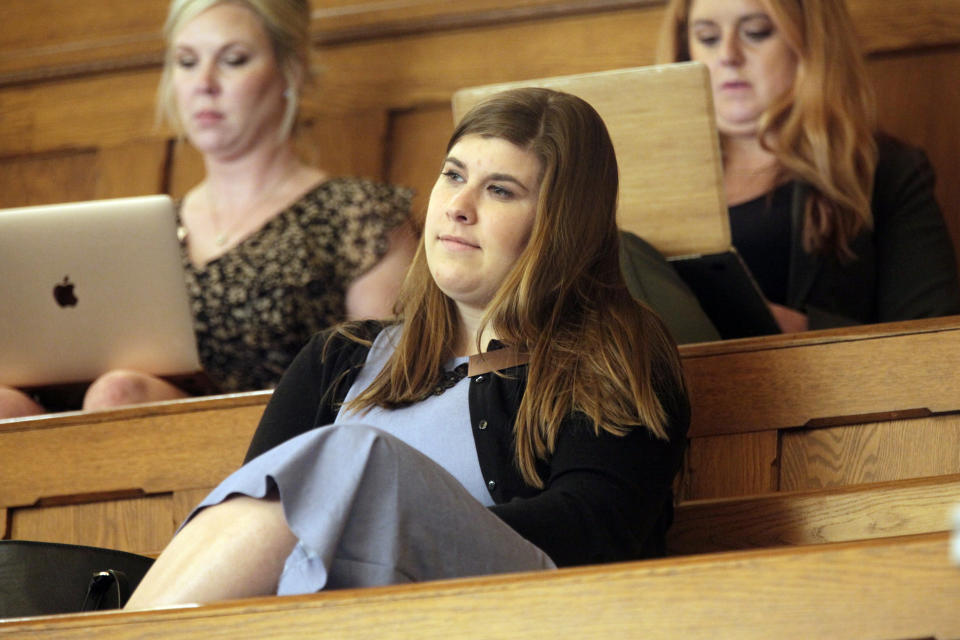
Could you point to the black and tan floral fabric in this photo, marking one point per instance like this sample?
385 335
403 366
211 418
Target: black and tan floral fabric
257 305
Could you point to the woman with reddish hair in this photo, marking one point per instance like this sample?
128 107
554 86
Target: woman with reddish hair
837 222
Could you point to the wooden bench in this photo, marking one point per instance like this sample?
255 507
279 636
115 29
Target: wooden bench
861 512
123 478
891 588
823 409
126 478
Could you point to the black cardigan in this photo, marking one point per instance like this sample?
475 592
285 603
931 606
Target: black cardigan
905 266
606 498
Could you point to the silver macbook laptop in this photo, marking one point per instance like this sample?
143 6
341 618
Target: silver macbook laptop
88 287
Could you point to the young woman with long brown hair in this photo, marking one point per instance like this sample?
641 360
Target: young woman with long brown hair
522 412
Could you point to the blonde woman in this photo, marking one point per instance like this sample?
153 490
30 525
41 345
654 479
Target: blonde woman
837 222
522 413
274 250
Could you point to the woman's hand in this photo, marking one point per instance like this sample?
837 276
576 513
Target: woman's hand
789 320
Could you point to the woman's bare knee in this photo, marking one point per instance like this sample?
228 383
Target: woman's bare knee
17 404
123 387
234 549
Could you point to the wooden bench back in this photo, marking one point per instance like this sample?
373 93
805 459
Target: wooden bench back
660 119
823 409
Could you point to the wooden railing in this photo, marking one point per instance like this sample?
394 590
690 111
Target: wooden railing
823 409
889 589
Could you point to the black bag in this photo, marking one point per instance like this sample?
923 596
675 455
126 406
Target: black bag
42 578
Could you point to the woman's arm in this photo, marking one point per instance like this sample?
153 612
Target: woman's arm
607 498
916 267
373 293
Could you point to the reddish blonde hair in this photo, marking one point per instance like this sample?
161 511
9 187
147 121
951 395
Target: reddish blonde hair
823 131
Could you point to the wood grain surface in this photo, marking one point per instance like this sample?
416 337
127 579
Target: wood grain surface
758 386
891 588
903 507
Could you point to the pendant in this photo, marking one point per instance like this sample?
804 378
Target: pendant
221 239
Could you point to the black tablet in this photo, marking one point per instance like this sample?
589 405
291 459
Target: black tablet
728 293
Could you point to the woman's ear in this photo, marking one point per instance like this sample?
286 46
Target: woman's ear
295 76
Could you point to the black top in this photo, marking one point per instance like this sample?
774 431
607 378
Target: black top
606 498
760 229
904 267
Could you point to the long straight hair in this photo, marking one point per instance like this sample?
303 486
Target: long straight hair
592 348
822 132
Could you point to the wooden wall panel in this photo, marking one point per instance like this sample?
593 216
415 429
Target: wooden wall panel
734 465
352 20
342 144
137 525
418 140
96 111
50 24
46 178
134 168
428 68
919 102
350 144
186 168
54 37
129 169
905 24
817 458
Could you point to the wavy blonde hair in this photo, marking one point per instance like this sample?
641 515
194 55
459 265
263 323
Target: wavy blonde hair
823 131
592 348
287 25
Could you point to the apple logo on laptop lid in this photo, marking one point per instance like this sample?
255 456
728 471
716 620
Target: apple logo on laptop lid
63 293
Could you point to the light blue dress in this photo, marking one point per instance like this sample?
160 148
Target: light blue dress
387 497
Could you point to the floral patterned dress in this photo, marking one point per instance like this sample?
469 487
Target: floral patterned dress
255 306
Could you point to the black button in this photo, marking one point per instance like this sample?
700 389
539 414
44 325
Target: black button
482 425
491 485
